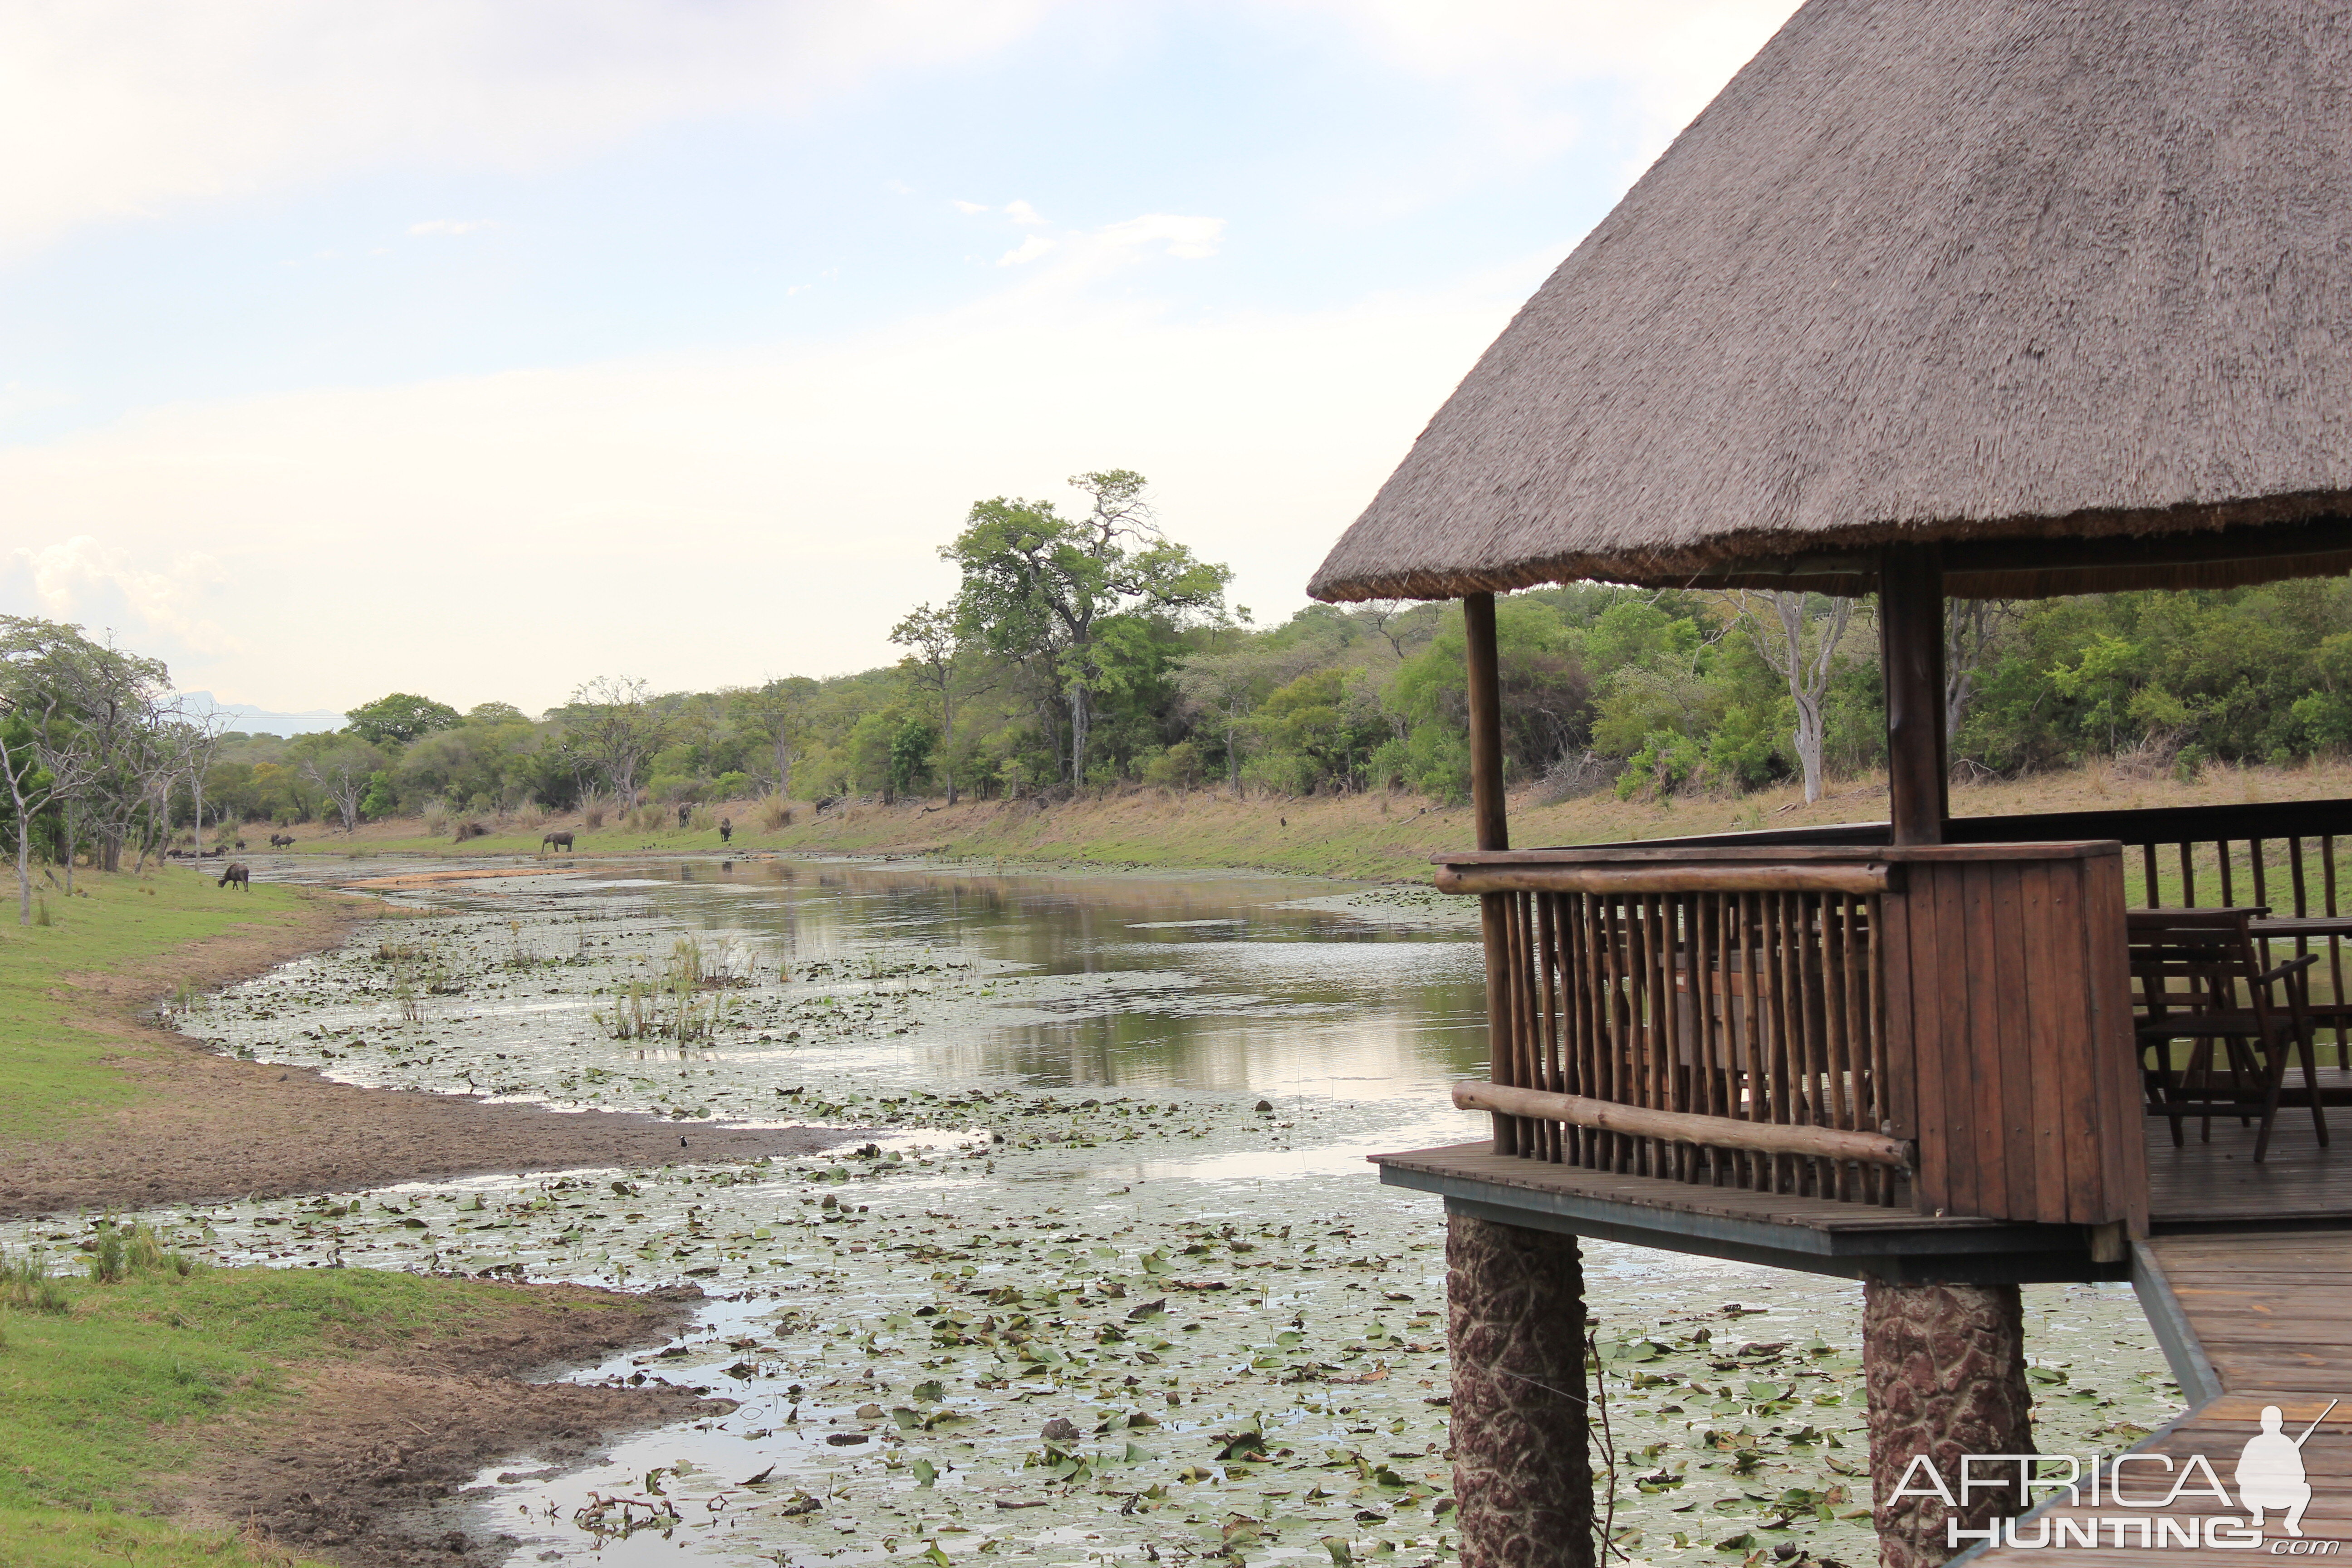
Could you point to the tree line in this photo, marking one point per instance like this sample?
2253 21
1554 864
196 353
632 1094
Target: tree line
1086 648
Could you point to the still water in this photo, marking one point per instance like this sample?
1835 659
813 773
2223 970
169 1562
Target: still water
1112 1217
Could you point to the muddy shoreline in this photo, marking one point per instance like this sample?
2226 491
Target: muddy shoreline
210 1127
366 1461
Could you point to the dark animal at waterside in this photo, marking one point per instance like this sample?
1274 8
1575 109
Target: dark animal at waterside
726 830
683 811
240 844
236 871
471 830
556 841
281 841
211 854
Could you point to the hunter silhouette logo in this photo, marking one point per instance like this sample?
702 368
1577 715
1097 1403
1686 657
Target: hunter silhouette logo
2154 1488
2269 1472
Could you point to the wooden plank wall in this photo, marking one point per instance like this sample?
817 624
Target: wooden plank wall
2009 1033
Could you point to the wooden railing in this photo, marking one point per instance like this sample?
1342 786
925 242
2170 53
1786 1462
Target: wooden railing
2293 858
1946 1028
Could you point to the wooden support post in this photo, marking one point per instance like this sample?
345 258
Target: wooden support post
1945 1367
1911 649
1522 1469
1487 809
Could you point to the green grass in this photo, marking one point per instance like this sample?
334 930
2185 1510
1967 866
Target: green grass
53 1068
129 1382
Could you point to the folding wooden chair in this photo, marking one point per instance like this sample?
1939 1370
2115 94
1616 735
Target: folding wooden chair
2199 976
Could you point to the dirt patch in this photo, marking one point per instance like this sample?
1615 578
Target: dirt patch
213 1127
367 1464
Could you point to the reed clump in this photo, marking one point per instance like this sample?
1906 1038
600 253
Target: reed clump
775 812
28 1285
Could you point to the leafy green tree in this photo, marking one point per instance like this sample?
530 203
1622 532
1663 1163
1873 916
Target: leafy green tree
938 659
1036 584
397 719
911 744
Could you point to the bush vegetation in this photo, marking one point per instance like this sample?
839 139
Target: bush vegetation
1087 649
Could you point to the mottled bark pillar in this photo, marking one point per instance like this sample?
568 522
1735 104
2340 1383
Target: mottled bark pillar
1946 1369
1522 1466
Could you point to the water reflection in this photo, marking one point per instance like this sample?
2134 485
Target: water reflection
1207 982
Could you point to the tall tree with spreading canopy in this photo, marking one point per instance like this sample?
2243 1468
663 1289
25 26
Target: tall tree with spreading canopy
1037 586
402 717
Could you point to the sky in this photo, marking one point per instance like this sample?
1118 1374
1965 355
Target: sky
477 350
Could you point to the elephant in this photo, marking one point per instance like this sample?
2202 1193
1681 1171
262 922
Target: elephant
557 840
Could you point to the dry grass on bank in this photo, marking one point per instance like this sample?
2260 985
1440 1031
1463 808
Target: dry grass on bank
1385 836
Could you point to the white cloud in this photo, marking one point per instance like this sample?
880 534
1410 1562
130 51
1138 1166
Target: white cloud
123 109
1028 250
970 208
710 518
1022 212
84 581
1187 238
450 226
1674 53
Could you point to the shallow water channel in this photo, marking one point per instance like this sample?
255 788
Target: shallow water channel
1102 1278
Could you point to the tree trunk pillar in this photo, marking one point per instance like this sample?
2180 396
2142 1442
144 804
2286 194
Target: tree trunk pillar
1522 1466
1945 1366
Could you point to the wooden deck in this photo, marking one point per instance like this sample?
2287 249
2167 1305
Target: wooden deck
2252 1319
2218 1184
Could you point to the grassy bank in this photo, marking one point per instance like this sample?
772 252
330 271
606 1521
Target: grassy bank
113 1395
57 1049
1383 837
104 1388
115 1388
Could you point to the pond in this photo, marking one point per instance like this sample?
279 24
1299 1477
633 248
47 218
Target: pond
1103 1277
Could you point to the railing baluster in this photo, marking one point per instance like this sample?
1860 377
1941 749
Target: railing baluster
1876 1116
1547 950
2188 878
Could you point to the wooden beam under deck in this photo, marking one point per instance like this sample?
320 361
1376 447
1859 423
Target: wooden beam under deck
1813 1235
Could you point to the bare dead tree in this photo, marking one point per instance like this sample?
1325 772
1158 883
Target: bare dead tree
1798 635
1973 630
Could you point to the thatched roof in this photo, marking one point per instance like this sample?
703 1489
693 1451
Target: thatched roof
2076 272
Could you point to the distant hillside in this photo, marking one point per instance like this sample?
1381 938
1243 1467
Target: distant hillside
256 721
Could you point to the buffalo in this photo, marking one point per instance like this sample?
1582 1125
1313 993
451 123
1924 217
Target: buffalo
236 871
726 830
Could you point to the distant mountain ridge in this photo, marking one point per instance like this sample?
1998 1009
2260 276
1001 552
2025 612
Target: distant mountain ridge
256 721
